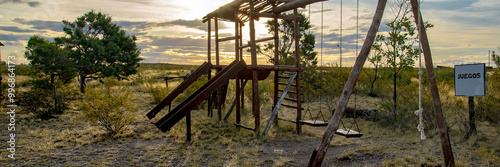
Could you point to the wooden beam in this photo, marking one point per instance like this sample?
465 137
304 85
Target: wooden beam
297 64
226 39
209 42
267 68
285 17
320 152
209 53
276 57
237 37
294 5
264 39
443 129
255 80
216 20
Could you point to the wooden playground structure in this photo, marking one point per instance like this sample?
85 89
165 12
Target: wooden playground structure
242 11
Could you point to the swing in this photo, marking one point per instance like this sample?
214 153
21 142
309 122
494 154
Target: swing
314 121
344 131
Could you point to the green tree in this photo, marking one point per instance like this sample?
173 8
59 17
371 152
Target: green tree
50 59
99 48
496 58
397 47
376 60
286 52
50 68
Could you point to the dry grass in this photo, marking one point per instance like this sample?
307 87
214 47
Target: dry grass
70 141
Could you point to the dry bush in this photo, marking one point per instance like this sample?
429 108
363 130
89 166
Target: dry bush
157 91
109 107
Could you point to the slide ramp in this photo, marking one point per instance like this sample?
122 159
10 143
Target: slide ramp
203 69
219 80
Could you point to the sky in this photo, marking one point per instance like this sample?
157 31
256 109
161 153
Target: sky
171 31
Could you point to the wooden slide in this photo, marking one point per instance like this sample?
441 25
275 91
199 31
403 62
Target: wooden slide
180 111
203 69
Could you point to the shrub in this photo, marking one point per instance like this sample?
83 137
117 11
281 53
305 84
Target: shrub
108 107
488 107
43 102
158 92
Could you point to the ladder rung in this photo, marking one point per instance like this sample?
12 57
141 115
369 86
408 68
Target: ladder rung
281 83
290 106
292 100
281 76
289 73
291 92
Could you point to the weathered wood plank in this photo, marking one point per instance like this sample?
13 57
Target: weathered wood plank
294 5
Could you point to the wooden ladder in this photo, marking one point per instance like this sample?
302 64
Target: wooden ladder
291 77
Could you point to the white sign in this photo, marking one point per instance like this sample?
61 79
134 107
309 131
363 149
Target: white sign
470 80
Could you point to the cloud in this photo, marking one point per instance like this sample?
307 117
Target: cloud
34 4
41 25
30 3
15 29
142 26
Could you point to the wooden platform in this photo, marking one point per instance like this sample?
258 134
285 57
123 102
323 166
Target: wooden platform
348 133
314 123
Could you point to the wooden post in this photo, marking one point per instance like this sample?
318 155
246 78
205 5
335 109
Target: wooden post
242 95
443 129
472 119
216 20
217 50
276 58
297 64
320 152
188 127
209 47
237 35
255 81
238 100
219 102
241 40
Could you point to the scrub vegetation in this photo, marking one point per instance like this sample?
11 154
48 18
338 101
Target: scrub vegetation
78 137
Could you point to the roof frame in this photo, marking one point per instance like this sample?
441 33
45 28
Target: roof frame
262 8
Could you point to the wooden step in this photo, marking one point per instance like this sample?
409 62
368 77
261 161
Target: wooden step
284 77
290 106
291 92
292 100
281 83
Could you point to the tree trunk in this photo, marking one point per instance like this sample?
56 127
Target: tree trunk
82 83
54 89
394 95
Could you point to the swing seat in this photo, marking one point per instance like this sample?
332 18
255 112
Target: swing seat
314 123
348 133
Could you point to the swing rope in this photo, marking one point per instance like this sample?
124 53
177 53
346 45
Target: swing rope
419 112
